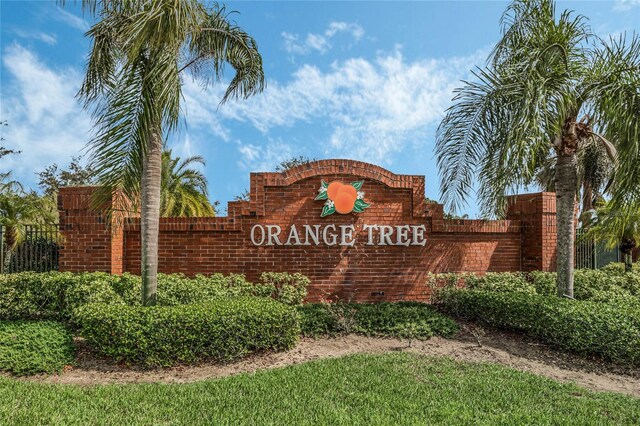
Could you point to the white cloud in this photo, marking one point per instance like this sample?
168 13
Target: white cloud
45 121
263 156
320 42
71 20
373 109
366 109
625 5
36 35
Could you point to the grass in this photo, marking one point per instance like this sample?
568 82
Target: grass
397 388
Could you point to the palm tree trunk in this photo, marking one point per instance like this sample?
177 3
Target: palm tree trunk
7 260
628 262
10 236
150 216
626 247
566 181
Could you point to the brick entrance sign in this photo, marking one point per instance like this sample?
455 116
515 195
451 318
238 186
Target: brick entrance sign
355 229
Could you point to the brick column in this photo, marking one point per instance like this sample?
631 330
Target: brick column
537 212
91 242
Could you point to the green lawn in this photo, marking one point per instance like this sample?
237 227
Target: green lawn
397 388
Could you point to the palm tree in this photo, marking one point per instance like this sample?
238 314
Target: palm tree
18 209
595 174
141 51
183 189
617 226
549 85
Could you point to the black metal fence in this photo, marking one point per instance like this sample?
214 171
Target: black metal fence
37 249
591 254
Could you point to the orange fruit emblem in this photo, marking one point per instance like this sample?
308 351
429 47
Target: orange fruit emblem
344 202
333 188
341 198
348 189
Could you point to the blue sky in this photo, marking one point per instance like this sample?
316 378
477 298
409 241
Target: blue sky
362 80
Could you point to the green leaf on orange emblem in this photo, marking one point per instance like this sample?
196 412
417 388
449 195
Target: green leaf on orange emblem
322 192
357 185
328 210
360 206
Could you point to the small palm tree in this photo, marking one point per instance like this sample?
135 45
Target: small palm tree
549 88
141 52
184 189
18 209
617 226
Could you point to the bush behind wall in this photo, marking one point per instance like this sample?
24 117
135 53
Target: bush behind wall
56 295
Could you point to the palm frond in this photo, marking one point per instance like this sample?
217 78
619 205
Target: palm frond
219 41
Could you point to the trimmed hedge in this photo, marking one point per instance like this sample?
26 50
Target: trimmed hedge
400 319
167 335
611 331
31 347
56 295
609 284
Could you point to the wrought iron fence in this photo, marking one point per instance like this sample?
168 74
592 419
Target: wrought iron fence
591 254
37 249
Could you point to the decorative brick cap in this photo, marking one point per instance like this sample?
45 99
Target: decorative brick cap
321 168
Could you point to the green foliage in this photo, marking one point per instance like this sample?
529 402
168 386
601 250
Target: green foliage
608 284
34 347
501 282
183 189
55 295
140 55
316 320
290 289
609 330
545 282
389 319
380 319
52 178
168 335
546 72
292 162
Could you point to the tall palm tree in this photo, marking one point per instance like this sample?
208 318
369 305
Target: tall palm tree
595 174
183 188
549 85
141 52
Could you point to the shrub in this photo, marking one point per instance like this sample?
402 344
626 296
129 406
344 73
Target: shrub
544 282
34 347
50 295
56 295
388 319
379 319
166 335
290 289
609 284
316 320
500 282
82 292
610 331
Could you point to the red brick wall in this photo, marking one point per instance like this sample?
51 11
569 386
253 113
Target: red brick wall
222 244
538 215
